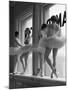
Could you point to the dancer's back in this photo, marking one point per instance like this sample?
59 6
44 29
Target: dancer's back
52 29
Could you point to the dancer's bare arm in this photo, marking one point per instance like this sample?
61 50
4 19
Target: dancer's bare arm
18 43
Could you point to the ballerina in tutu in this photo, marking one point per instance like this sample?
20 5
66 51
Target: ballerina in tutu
21 52
51 41
16 51
58 40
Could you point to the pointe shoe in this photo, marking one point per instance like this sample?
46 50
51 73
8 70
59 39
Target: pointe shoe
52 75
15 73
54 72
22 73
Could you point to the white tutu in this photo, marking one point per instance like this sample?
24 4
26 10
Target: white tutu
53 42
19 50
14 50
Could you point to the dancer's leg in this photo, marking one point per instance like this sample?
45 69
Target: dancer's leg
21 59
46 57
18 61
42 64
55 50
26 58
15 63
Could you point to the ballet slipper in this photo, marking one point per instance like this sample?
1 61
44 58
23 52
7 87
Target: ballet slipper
52 73
14 73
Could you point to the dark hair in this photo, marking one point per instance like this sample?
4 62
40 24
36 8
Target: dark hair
48 20
31 28
16 33
43 26
27 31
26 28
54 18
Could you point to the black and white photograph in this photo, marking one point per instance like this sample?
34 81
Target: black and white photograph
37 44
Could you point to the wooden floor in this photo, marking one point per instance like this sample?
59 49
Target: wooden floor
20 81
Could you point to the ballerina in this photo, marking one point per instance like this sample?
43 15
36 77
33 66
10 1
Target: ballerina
54 20
52 40
15 51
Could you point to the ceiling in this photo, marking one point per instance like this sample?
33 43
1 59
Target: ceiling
20 7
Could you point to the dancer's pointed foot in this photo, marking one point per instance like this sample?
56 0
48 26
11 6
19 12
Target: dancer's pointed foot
54 72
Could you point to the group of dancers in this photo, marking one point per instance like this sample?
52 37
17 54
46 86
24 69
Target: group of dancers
51 40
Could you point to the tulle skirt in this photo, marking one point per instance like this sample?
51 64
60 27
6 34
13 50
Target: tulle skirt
14 50
19 50
53 42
